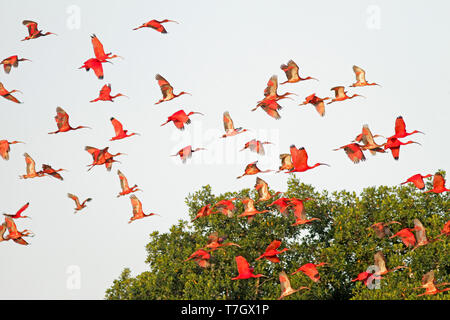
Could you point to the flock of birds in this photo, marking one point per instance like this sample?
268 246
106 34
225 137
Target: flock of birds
294 161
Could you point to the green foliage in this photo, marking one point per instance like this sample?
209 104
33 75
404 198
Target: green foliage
341 238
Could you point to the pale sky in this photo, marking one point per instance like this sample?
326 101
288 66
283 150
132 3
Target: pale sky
223 53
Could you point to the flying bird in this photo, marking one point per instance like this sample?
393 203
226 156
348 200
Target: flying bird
226 207
118 130
201 257
167 90
417 180
353 151
271 252
381 229
438 184
263 190
124 185
244 269
317 102
100 52
282 205
400 129
428 283
156 25
286 288
310 269
137 209
300 160
286 162
230 130
186 153
256 146
102 156
62 121
7 94
14 234
5 148
270 92
250 210
291 71
33 31
251 169
340 94
270 106
95 65
299 211
79 206
406 236
31 171
394 144
12 61
368 140
47 169
105 94
215 242
180 118
18 214
361 78
204 212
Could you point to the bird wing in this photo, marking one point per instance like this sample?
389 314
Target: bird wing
360 74
20 241
11 97
118 128
61 118
299 156
98 68
400 126
12 229
420 231
136 204
30 164
242 265
272 85
428 278
275 244
98 47
367 137
354 152
106 90
213 237
286 158
24 207
320 107
4 149
74 198
380 261
438 181
7 67
291 70
262 187
166 88
338 91
31 25
299 211
284 282
123 181
50 171
227 122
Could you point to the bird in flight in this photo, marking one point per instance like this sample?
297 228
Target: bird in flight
180 118
291 71
244 269
353 151
118 130
201 257
341 95
137 209
14 234
186 153
317 102
156 25
230 130
428 283
5 148
300 160
438 184
417 180
105 94
271 252
124 185
8 94
31 171
400 129
256 146
361 78
167 90
251 169
33 31
79 206
18 214
100 52
12 61
286 288
62 121
310 269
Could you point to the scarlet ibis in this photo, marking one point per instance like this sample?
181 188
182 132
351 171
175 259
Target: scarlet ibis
215 242
79 206
137 209
270 106
31 171
204 212
256 146
286 288
381 228
286 162
2 232
201 257
105 94
310 269
354 152
400 129
299 211
367 138
167 90
229 126
118 130
361 78
62 121
251 169
421 235
317 102
282 204
19 212
417 179
33 31
12 61
291 70
394 144
124 185
102 157
445 229
406 236
271 252
340 94
186 153
428 283
300 160
47 169
244 269
380 262
270 92
438 184
226 207
99 51
364 277
7 94
180 118
263 190
95 65
156 25
5 148
249 209
14 234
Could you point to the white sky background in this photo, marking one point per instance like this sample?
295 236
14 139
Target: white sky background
223 53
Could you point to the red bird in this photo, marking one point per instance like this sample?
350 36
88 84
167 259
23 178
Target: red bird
381 228
19 212
33 31
118 130
250 210
230 130
270 106
95 65
270 92
167 90
394 144
299 211
201 257
79 206
31 168
105 94
4 148
156 25
417 179
226 207
255 146
286 288
400 129
291 71
251 169
286 162
300 160
445 229
272 252
215 242
137 209
263 190
12 61
354 152
124 185
47 169
14 234
186 153
438 184
406 236
367 138
102 156
317 102
310 269
244 269
282 204
99 51
204 212
180 118
429 285
364 277
7 94
361 78
62 121
341 95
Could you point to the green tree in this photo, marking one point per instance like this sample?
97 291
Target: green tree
341 238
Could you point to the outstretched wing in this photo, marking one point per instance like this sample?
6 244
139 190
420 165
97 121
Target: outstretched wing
74 198
30 164
227 122
118 128
61 118
98 47
360 74
166 88
31 25
123 181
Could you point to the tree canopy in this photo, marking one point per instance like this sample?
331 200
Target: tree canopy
342 238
